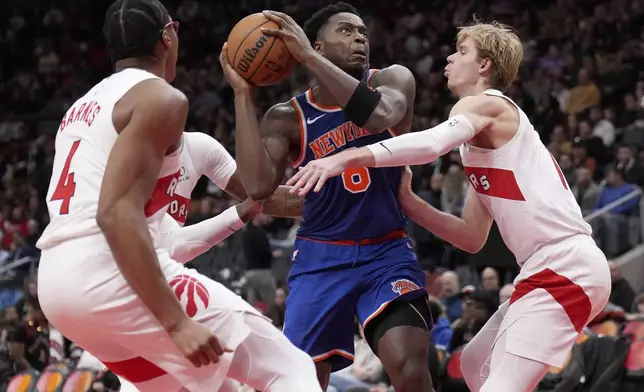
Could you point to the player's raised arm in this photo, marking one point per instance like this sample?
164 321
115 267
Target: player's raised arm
468 117
155 125
262 155
468 234
376 108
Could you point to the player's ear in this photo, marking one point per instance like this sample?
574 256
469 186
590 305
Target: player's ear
485 65
317 46
165 38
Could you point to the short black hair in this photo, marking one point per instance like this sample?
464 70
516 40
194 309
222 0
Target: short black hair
132 28
319 19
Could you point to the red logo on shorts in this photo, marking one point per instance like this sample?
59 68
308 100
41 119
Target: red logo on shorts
194 290
403 286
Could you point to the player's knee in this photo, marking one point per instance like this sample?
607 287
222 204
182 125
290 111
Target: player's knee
302 378
409 372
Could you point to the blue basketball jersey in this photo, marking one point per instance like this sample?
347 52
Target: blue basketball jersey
360 204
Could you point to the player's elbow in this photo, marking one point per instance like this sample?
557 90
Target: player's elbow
108 217
260 191
389 112
472 247
473 243
105 219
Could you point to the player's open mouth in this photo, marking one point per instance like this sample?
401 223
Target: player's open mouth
360 53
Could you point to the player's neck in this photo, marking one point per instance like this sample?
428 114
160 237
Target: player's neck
151 65
323 96
473 89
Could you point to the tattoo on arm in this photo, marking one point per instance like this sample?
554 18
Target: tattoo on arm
284 204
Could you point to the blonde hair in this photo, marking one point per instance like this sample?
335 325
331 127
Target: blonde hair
500 44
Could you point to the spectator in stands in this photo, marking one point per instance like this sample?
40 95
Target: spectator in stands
7 369
612 227
586 190
365 372
621 294
580 158
567 168
278 307
10 315
428 245
442 330
30 295
452 295
260 284
633 170
603 128
584 95
615 189
629 113
454 190
29 340
506 293
639 305
594 145
478 307
490 282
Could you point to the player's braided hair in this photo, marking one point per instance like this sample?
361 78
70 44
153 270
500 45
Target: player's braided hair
319 19
132 28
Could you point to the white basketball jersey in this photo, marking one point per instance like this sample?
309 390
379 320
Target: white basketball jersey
524 190
83 144
201 155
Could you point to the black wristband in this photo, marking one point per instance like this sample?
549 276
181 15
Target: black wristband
362 103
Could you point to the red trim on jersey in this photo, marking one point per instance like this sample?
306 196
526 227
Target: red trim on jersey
136 370
300 121
561 176
162 194
494 182
317 105
179 207
371 72
369 241
572 298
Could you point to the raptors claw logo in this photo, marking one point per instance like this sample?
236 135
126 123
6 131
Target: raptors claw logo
191 293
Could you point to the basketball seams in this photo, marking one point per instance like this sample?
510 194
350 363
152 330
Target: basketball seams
241 43
263 58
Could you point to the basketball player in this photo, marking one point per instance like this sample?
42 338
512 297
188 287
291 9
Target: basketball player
564 280
347 260
201 155
115 172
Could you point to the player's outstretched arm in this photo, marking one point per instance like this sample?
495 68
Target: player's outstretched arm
157 115
468 234
186 243
374 109
469 116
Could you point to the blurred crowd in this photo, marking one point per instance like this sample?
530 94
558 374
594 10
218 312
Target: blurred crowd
582 85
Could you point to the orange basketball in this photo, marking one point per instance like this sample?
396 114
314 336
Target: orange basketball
259 58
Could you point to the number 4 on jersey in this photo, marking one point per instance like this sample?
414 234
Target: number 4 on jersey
66 185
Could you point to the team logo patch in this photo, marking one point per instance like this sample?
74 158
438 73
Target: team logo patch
403 286
191 293
183 176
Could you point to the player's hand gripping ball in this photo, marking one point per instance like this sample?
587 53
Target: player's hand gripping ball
254 55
